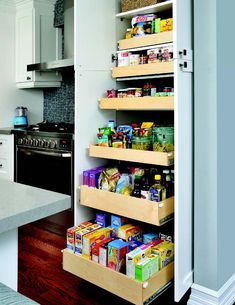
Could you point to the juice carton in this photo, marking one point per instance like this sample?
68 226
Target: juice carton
71 234
130 232
117 250
142 270
103 219
95 250
80 234
148 237
165 250
116 222
93 238
134 257
154 264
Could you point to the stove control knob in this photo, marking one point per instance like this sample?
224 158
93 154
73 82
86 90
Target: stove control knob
40 143
20 141
25 141
53 144
46 144
30 142
35 142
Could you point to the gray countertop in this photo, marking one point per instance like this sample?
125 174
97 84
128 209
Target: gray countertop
6 130
21 204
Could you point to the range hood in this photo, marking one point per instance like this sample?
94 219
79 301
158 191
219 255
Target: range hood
68 61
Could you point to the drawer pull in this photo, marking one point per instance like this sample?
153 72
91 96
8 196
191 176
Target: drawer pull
1 165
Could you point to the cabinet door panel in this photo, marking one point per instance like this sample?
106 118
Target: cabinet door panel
24 45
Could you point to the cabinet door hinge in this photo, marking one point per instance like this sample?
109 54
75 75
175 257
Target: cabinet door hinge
186 66
114 58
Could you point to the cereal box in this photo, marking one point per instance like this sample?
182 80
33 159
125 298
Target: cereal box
71 234
103 219
133 244
95 250
103 255
80 234
154 264
165 250
117 250
130 232
166 25
148 237
117 221
152 55
93 238
142 270
134 257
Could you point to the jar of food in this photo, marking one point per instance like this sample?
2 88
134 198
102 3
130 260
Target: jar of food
163 138
131 92
134 59
142 143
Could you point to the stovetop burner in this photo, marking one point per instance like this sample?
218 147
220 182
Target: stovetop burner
52 127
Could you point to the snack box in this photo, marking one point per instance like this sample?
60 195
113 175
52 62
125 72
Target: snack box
117 251
93 238
94 177
154 242
103 255
149 237
133 244
71 234
142 270
157 25
80 234
166 25
130 232
95 250
103 219
116 222
86 174
134 257
152 56
154 265
165 250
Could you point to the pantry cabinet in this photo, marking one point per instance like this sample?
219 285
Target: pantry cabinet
95 72
36 41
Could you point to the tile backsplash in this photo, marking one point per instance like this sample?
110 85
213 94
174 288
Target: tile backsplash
59 102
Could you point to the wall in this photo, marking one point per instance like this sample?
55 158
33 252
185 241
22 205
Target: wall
10 96
214 167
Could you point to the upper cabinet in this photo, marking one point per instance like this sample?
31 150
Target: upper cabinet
36 41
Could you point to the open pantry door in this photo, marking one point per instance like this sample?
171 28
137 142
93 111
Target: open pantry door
183 65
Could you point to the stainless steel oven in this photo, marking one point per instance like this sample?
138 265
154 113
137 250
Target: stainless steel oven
45 160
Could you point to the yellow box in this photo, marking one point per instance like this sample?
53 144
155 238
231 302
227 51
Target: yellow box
130 232
166 25
80 234
92 239
71 234
165 250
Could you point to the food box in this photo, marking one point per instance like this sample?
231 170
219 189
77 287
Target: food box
153 55
93 238
116 222
134 257
95 250
133 244
166 25
149 237
157 25
117 250
80 234
154 265
147 268
103 219
130 232
71 234
128 5
165 250
103 255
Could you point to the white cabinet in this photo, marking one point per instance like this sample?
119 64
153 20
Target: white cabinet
6 157
36 41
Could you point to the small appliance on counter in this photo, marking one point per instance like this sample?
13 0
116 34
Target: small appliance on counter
20 119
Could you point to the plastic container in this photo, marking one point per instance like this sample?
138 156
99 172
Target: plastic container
142 143
163 139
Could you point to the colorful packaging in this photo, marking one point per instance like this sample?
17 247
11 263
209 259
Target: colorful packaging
157 25
154 265
142 270
80 234
95 250
148 237
87 176
134 257
93 238
165 250
152 55
117 250
116 222
103 255
166 25
130 232
71 234
103 219
132 245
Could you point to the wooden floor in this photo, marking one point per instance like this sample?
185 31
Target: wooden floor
42 279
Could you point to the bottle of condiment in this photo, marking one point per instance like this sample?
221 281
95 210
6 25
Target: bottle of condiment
137 192
157 191
166 182
145 185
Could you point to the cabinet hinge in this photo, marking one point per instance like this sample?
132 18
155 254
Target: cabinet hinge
186 60
186 54
114 58
186 66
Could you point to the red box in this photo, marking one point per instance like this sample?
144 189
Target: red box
95 250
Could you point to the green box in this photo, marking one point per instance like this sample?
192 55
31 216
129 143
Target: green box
157 25
142 270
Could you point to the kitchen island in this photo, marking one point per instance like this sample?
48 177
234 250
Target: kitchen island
19 205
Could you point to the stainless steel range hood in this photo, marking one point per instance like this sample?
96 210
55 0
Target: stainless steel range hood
68 61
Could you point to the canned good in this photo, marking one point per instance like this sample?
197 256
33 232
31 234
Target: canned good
142 143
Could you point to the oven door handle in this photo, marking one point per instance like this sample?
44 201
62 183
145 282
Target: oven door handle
46 153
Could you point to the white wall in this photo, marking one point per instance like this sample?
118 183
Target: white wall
10 96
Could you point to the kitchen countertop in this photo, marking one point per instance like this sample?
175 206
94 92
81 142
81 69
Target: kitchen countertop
6 130
21 204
